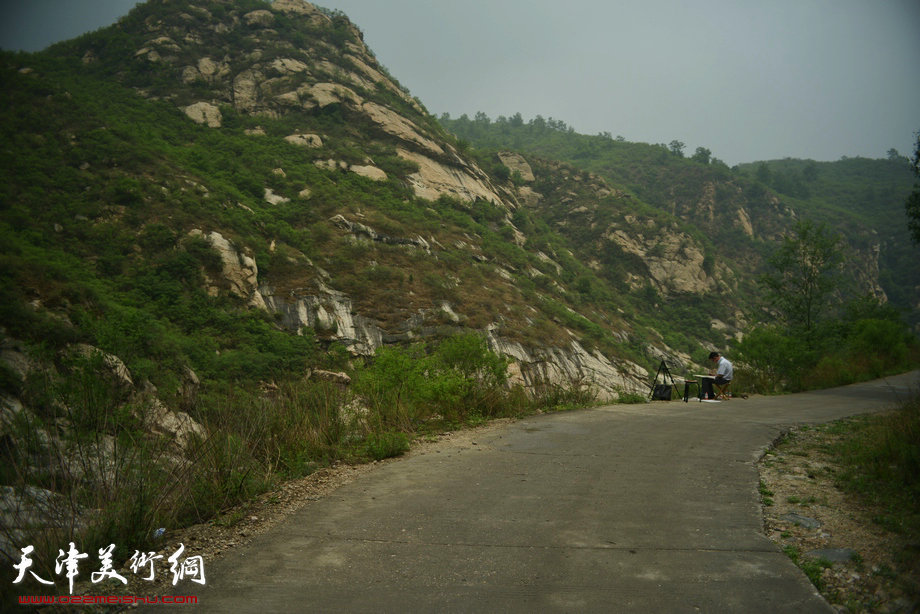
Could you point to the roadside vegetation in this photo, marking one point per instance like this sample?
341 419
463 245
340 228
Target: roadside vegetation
118 483
860 479
813 333
105 182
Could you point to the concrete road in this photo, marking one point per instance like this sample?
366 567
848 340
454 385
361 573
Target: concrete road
623 508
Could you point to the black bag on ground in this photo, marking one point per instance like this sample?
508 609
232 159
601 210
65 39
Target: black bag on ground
662 392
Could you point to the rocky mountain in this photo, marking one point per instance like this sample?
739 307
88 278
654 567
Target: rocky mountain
740 214
214 209
254 162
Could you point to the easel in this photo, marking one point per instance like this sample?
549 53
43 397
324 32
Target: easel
666 380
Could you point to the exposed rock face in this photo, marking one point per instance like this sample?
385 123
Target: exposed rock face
866 264
259 17
326 94
330 164
300 7
674 261
371 172
274 199
204 113
434 179
239 269
23 510
516 163
744 220
330 314
117 371
555 366
400 127
305 140
336 377
95 461
246 91
358 229
178 426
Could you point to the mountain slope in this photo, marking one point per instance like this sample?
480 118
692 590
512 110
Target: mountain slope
742 212
232 186
233 250
192 185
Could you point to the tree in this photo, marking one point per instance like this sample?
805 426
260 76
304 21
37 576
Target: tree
702 155
913 201
810 172
805 274
677 148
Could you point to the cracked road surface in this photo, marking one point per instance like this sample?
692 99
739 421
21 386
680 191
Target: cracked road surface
642 508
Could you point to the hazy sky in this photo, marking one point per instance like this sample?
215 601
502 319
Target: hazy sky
748 79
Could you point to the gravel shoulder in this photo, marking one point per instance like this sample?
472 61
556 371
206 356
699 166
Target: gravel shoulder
803 509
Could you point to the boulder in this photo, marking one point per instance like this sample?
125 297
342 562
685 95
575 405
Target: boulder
274 199
371 172
178 426
204 113
305 140
516 163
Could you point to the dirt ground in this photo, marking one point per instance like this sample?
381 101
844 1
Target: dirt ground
808 512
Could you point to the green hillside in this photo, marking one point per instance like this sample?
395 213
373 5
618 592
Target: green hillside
233 250
861 198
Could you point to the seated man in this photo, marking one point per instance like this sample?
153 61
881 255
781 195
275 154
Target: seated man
724 373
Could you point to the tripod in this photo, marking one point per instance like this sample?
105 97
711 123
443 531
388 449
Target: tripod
662 392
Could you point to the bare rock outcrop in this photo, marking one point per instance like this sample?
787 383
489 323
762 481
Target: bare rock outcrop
362 230
329 313
395 124
326 94
674 261
239 269
516 163
246 90
536 367
204 113
434 179
313 141
259 17
369 171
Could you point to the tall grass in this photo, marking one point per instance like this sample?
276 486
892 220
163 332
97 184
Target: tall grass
105 478
880 460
